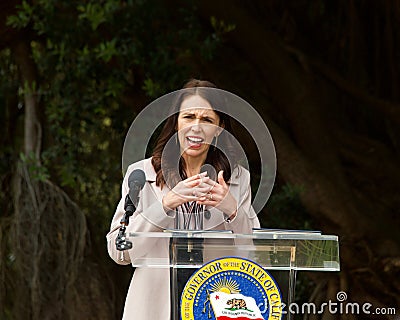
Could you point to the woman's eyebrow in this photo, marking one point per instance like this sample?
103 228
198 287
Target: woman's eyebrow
202 116
208 117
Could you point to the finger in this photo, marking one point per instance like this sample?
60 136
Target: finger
201 190
190 198
212 187
195 180
196 176
221 180
210 183
187 194
192 184
206 202
213 198
209 187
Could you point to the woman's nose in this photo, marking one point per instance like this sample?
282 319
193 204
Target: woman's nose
196 125
196 128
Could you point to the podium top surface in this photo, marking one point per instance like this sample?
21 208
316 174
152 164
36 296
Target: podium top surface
269 234
272 249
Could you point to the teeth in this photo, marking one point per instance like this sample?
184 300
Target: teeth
197 140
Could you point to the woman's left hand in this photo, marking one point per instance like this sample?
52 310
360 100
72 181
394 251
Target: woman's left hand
219 196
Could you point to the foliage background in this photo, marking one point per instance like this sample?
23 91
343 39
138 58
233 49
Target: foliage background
323 74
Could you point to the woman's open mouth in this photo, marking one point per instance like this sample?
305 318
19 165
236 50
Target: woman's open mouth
194 142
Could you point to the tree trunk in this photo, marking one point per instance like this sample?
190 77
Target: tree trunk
32 128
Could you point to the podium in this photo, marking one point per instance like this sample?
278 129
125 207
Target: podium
222 275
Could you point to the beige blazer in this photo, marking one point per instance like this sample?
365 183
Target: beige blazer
148 295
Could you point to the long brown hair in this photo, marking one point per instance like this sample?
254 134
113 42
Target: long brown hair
168 173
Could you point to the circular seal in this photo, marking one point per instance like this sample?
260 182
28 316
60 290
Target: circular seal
231 288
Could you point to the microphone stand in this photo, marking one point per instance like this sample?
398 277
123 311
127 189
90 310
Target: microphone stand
121 242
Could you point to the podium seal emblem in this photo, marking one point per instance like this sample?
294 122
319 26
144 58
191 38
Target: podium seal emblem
231 288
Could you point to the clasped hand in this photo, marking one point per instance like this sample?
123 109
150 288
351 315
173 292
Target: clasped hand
203 190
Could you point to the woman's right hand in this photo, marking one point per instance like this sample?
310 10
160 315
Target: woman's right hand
185 191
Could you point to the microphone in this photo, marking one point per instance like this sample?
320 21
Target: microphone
136 181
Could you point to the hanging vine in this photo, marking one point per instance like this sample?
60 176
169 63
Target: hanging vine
47 242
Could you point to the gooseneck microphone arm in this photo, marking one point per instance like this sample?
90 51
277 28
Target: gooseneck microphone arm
136 182
129 208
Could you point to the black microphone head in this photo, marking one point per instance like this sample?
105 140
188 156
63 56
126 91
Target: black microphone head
137 178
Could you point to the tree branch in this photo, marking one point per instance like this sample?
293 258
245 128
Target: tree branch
390 110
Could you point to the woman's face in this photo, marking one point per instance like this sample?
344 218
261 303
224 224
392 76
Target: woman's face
197 126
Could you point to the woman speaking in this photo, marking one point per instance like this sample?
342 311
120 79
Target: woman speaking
182 192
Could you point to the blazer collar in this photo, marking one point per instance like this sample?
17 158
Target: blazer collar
235 177
149 170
